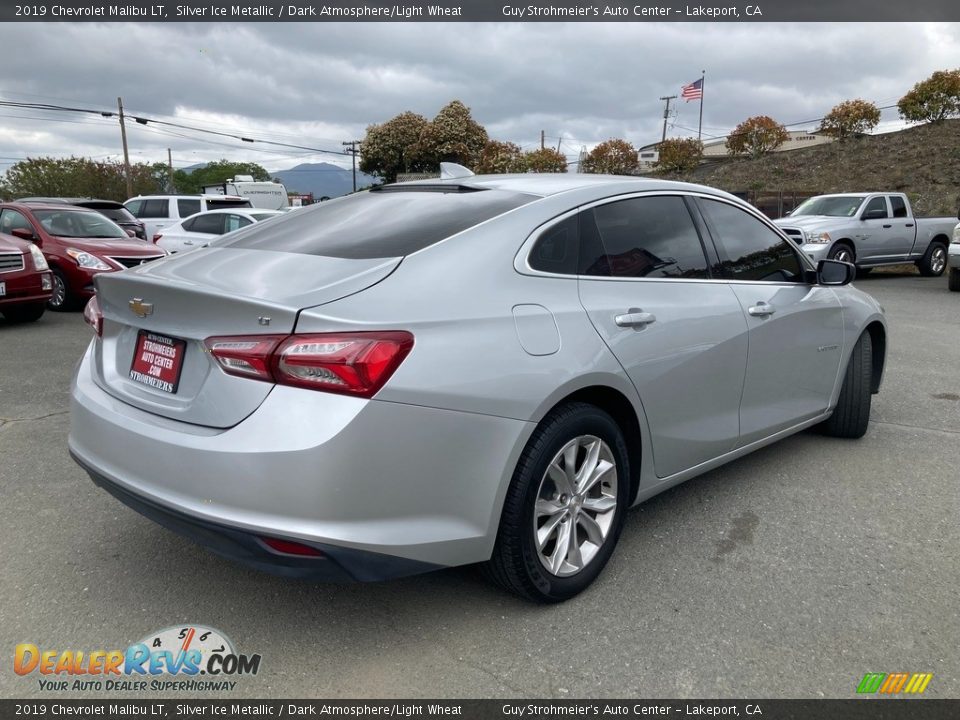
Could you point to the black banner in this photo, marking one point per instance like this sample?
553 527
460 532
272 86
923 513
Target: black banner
480 11
854 709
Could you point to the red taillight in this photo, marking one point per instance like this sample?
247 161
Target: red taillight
93 317
291 548
349 363
156 238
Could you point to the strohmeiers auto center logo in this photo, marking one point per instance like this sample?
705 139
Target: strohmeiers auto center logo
192 658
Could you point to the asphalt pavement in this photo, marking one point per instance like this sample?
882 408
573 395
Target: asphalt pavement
789 573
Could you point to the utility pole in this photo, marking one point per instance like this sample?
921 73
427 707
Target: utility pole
542 139
126 153
666 114
352 144
170 168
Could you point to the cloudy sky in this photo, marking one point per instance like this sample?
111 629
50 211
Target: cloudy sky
317 84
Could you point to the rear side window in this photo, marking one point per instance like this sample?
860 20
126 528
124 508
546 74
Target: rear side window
377 224
188 207
235 222
155 209
556 250
899 206
206 223
749 249
651 237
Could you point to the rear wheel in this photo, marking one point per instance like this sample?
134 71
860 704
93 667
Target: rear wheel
565 506
852 414
934 261
24 313
61 299
843 252
953 280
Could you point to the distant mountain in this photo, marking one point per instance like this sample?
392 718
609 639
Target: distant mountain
322 179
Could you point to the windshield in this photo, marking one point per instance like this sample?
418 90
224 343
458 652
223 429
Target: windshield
78 224
830 206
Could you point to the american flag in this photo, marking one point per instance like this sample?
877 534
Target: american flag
693 91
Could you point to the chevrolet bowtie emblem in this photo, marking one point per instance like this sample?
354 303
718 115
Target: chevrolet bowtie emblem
140 308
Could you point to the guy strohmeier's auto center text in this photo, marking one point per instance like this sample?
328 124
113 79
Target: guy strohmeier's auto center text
226 11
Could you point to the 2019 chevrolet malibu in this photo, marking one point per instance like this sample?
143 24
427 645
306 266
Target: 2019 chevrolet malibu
471 370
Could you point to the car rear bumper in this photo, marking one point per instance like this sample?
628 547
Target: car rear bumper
420 487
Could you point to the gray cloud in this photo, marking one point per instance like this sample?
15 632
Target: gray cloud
317 84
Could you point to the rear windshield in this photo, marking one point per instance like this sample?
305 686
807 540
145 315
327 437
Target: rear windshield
226 204
117 215
377 224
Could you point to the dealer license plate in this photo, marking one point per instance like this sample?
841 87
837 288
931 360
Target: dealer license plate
157 361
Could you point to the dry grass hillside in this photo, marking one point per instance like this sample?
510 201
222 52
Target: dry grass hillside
923 162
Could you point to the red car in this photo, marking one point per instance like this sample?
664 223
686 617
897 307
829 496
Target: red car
25 282
78 244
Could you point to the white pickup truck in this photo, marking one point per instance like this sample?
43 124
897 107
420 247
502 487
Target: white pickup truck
869 230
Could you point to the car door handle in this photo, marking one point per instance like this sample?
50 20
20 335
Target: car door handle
635 317
909 224
761 309
888 226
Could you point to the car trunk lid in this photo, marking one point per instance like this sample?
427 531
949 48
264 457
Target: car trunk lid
169 307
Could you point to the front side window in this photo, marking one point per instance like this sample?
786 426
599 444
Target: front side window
750 250
649 237
13 220
877 205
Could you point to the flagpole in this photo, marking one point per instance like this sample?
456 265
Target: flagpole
703 82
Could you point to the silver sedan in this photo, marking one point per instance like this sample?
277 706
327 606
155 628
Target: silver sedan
469 370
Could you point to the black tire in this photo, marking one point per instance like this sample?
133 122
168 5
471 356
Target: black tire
843 251
516 561
852 414
934 261
953 279
24 313
62 299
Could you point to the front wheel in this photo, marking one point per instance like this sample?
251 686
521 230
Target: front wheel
60 299
852 414
934 261
565 506
842 252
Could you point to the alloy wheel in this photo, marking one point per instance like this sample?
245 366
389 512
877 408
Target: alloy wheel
938 260
59 295
575 507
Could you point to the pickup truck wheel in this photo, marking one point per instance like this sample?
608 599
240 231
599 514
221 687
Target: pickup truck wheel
850 417
842 252
953 280
934 262
24 313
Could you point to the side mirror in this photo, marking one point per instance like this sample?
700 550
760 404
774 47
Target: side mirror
130 233
874 215
23 233
835 272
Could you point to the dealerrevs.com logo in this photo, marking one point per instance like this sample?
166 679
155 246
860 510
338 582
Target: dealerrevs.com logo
190 658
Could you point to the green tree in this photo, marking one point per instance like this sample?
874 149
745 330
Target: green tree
545 160
389 148
934 99
612 157
500 157
680 155
76 177
851 117
756 136
452 136
215 173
